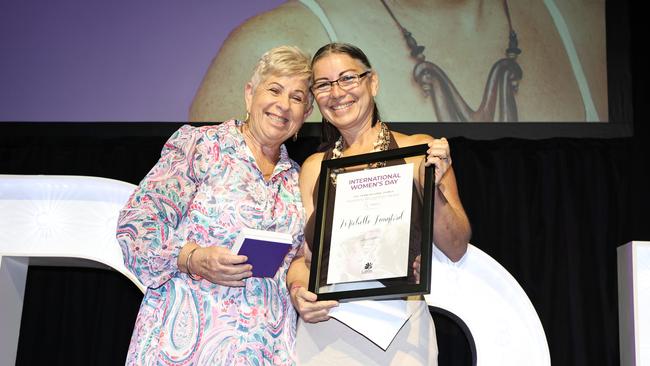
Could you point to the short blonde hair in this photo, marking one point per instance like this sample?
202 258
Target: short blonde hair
282 61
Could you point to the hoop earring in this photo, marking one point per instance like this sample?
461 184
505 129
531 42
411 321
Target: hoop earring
295 137
247 116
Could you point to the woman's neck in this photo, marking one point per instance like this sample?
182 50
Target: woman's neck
360 140
266 156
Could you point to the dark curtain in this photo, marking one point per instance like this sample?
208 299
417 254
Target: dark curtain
552 213
76 316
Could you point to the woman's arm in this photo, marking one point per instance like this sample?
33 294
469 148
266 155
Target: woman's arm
298 274
147 224
451 228
305 302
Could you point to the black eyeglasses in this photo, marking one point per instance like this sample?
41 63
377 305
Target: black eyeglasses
345 82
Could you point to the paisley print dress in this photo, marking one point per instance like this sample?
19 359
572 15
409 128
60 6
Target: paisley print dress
206 187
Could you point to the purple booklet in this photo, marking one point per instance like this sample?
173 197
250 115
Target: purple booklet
265 250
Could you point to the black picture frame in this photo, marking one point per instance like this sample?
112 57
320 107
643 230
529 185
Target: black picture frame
394 288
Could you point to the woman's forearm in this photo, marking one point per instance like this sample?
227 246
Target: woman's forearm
298 274
451 228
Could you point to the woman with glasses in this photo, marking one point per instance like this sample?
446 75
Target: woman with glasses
202 307
345 86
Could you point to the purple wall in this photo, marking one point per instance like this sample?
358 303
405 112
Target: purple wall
110 60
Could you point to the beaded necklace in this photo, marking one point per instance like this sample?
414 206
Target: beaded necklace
383 140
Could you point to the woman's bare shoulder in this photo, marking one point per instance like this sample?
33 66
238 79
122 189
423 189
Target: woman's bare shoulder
312 163
290 23
309 175
410 140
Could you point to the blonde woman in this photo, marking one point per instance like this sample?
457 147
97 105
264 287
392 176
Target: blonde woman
202 307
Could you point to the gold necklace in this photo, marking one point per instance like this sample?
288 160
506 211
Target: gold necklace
381 144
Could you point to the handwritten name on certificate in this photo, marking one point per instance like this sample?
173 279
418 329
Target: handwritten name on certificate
371 224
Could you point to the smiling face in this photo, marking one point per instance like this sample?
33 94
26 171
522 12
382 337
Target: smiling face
278 107
345 108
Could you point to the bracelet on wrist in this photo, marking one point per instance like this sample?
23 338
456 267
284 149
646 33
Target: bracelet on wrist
187 265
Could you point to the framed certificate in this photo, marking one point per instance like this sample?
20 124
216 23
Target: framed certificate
372 219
